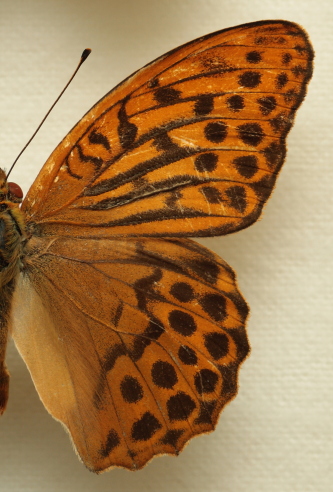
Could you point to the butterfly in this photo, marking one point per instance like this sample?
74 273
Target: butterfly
132 332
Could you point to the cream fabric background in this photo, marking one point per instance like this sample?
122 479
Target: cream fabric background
277 435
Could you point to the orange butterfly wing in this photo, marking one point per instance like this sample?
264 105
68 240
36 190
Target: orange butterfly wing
134 342
192 142
140 352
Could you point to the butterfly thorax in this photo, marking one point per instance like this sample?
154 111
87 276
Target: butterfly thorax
12 238
12 234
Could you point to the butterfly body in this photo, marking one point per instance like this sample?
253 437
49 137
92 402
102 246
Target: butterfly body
12 238
132 332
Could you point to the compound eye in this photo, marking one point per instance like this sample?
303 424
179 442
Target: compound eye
15 190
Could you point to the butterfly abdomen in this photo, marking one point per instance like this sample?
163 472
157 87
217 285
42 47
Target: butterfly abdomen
12 235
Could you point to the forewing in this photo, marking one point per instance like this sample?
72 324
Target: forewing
134 345
190 145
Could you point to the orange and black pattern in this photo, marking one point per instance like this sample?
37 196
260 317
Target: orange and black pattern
167 343
191 143
139 332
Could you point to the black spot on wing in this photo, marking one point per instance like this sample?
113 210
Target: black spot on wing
241 342
171 437
236 103
205 412
96 161
281 80
212 194
216 132
153 332
187 355
204 104
112 355
206 162
205 381
249 79
180 406
144 428
166 95
286 58
253 57
281 123
246 165
131 389
182 322
229 375
118 314
251 134
298 70
112 441
267 104
163 374
274 154
217 344
145 285
263 188
163 143
98 138
237 197
242 307
182 291
110 358
127 131
214 305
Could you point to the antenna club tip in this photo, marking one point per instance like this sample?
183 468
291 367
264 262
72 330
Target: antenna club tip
85 54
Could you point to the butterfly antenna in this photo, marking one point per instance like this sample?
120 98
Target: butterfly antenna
84 56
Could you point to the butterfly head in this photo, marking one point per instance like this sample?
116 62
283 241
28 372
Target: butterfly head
8 190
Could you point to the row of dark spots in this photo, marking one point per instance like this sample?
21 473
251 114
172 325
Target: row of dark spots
247 165
255 57
213 304
216 343
252 80
179 408
164 375
234 196
267 104
250 133
204 104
